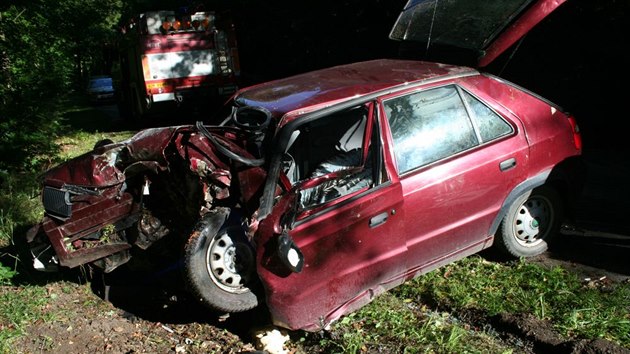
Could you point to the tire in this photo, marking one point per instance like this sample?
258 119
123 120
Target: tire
220 268
530 224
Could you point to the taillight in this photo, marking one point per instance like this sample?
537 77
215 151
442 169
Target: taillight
577 137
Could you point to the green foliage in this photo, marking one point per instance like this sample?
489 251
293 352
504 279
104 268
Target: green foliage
20 206
31 72
88 29
45 49
6 274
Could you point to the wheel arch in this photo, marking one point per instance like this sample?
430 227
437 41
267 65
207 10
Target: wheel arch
522 188
566 178
212 220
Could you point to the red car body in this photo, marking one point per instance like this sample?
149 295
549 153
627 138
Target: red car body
434 215
315 193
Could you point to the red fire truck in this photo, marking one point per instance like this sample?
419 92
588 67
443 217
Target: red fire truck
171 59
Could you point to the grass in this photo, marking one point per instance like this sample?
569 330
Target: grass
18 307
20 208
392 324
576 309
80 142
86 125
19 205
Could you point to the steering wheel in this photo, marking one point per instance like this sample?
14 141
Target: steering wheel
227 152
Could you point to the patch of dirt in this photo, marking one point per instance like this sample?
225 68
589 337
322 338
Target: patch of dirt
129 312
84 323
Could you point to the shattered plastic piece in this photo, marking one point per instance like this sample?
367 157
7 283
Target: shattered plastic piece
272 341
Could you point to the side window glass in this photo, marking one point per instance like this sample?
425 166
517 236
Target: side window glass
330 148
428 126
491 125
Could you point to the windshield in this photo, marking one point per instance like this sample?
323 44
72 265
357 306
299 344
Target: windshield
162 22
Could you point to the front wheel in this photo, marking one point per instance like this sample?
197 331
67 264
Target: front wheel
530 223
220 268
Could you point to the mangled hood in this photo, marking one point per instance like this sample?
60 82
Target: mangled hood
105 165
486 27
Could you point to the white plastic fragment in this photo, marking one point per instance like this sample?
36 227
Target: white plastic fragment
272 340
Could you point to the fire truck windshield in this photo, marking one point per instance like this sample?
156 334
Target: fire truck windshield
163 22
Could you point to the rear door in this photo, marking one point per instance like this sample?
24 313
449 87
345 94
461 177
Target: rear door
457 159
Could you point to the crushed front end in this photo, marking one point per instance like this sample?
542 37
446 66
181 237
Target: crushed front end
120 198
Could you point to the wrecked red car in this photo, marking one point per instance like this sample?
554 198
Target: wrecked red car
315 193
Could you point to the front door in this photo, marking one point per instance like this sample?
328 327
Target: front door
347 225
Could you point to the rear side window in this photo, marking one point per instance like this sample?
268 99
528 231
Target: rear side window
434 124
490 124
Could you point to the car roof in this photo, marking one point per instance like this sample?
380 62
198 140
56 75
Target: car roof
308 91
486 27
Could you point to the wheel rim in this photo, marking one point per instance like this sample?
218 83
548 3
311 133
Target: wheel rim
532 221
229 263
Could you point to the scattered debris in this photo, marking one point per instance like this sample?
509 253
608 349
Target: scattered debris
272 340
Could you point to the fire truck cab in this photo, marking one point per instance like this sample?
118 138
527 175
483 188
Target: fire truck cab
172 59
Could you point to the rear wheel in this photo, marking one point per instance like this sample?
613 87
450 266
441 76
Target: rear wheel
531 222
220 268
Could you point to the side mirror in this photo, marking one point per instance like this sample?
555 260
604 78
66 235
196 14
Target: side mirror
289 253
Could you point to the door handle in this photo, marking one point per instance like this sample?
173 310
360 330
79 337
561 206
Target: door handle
507 164
378 219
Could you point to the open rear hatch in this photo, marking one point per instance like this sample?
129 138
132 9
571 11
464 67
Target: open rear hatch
487 28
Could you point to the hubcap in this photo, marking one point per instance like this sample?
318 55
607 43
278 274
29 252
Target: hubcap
532 221
229 263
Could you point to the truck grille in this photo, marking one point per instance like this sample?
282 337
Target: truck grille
57 203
